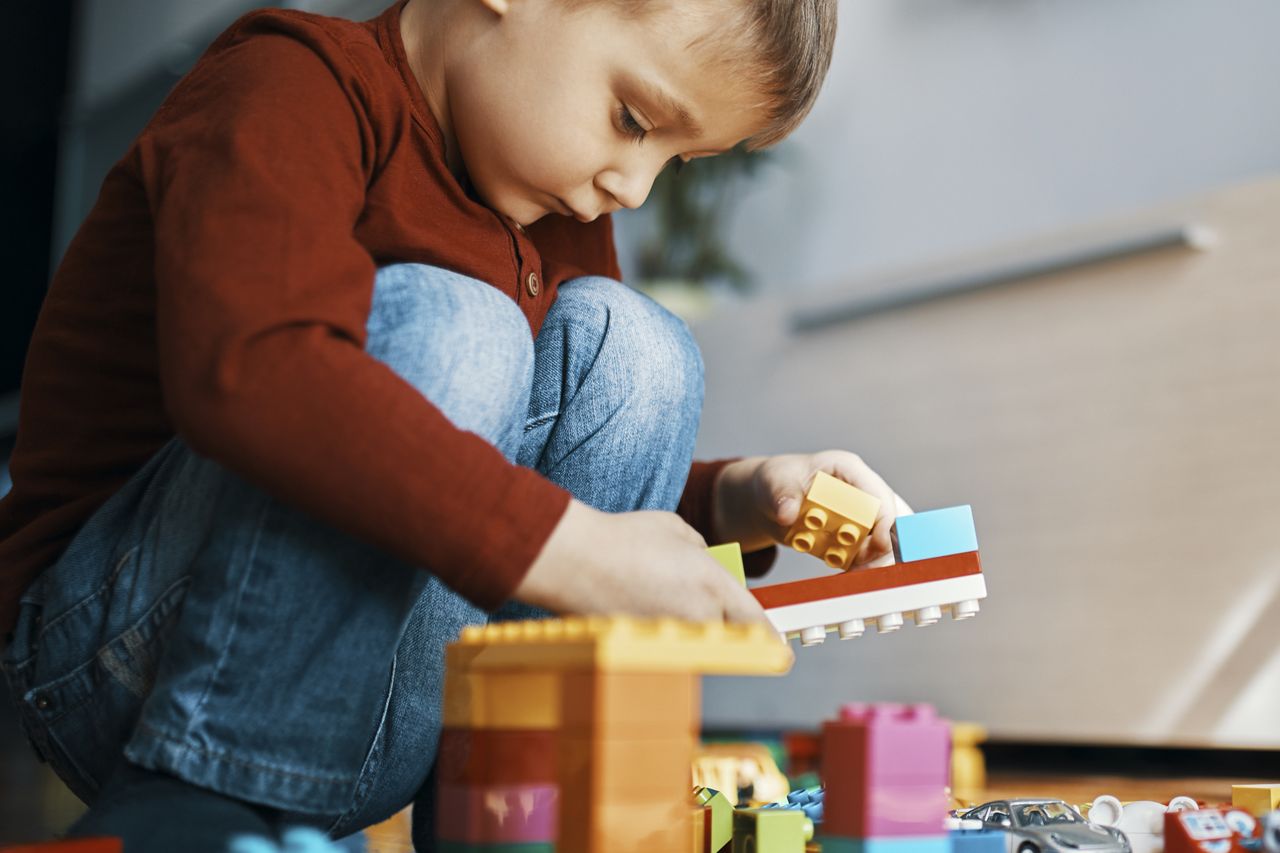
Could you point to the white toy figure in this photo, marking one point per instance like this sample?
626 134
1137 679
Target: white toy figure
1142 821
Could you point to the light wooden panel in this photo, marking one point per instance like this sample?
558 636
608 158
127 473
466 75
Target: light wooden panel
1116 430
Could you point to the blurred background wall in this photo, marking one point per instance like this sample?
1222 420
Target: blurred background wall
1120 468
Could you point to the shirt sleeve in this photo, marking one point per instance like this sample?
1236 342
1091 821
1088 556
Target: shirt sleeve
695 508
255 169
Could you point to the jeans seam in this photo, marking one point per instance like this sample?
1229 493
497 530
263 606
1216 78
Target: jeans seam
225 651
221 755
361 796
106 584
540 420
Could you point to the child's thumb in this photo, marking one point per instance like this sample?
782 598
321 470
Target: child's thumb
786 507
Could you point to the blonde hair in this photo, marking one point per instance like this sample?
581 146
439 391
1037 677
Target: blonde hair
782 49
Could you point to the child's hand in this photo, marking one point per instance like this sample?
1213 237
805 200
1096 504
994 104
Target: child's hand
645 563
758 499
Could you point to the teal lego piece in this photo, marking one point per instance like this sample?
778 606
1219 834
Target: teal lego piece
887 844
936 533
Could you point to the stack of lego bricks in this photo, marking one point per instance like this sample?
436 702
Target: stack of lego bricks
885 768
938 573
497 788
578 735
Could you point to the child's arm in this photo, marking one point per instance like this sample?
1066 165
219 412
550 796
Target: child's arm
255 171
645 562
758 499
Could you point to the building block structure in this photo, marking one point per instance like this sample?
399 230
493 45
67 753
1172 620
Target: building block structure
850 602
577 735
935 533
834 518
1258 800
885 769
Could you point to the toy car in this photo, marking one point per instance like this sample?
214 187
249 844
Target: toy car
1040 826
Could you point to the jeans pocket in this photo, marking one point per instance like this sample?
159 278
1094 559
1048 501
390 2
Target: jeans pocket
80 717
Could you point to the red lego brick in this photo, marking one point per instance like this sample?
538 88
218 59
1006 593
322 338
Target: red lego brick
75 845
496 757
868 580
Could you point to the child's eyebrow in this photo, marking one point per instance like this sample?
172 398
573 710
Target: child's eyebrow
657 95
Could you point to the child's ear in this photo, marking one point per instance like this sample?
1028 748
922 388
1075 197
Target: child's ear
497 7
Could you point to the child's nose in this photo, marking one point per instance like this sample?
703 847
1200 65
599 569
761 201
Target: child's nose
629 188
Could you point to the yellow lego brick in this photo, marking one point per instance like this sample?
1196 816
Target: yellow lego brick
729 555
968 768
1256 799
834 518
623 643
500 700
631 704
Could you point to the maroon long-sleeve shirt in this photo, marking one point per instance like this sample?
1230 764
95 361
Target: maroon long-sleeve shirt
219 290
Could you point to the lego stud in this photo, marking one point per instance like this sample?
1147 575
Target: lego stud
835 557
927 616
813 636
964 609
803 542
851 629
815 518
889 622
848 534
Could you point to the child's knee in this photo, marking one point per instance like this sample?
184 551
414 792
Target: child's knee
462 343
649 348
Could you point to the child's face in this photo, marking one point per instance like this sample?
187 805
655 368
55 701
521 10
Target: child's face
547 105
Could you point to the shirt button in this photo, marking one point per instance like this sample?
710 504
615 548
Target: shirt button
43 703
531 284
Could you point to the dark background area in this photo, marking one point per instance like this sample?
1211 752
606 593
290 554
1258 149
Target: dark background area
34 49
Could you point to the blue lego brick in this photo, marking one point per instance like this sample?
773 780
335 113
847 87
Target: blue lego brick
903 844
936 533
809 800
979 841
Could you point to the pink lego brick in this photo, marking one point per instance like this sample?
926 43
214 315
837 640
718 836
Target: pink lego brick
886 770
497 813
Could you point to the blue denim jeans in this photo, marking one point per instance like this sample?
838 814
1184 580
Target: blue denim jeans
199 627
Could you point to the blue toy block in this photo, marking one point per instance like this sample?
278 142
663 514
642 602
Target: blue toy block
937 533
887 844
809 800
979 841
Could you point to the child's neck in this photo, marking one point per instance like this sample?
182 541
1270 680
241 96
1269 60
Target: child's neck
423 27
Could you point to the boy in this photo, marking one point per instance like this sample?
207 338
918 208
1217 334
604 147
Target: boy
339 362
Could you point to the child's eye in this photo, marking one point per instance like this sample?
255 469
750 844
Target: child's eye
628 124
